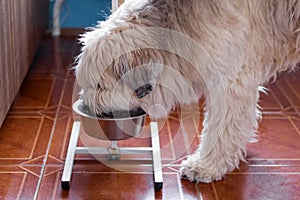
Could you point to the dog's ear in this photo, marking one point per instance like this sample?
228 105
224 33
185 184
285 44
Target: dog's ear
142 79
143 90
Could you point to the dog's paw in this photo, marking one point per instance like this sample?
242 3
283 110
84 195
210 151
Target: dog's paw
193 171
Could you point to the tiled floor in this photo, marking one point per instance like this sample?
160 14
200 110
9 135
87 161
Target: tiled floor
35 136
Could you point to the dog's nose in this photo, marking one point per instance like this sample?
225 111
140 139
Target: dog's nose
143 90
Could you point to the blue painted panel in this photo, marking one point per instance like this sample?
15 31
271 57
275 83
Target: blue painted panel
82 13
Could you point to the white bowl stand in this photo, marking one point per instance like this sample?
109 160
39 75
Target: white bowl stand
113 153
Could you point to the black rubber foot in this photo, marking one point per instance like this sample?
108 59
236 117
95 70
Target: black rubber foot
158 186
65 185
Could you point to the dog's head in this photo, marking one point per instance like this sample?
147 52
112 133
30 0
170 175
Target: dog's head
115 71
123 64
111 83
150 79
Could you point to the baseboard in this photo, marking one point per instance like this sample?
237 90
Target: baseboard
68 32
71 31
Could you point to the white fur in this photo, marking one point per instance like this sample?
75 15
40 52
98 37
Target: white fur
223 50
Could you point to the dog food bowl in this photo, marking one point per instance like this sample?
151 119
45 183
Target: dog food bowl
115 128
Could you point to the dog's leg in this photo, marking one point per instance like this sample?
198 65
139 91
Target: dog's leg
230 122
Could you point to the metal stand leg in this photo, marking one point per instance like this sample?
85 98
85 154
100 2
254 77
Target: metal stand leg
66 176
157 167
114 153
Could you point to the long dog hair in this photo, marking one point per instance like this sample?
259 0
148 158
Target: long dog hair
155 54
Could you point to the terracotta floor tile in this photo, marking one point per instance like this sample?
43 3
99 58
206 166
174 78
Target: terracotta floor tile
55 57
269 102
258 186
114 185
278 139
24 139
19 137
17 183
10 184
34 93
70 92
94 185
282 95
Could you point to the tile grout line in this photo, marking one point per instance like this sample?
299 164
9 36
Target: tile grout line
65 144
295 126
37 136
55 186
295 93
51 91
179 186
49 143
50 139
22 184
214 190
170 138
199 194
291 103
270 91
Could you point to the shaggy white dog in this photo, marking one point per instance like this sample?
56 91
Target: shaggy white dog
155 54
